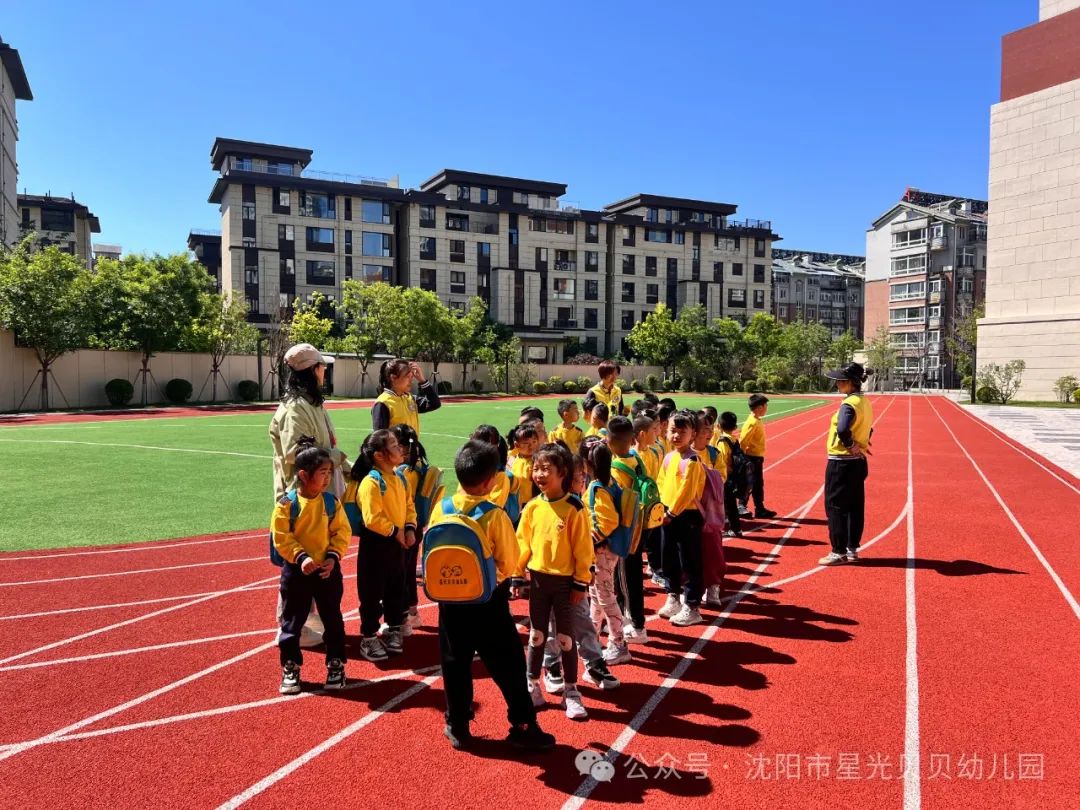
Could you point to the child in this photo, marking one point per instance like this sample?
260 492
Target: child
663 417
312 544
414 469
533 414
556 550
506 490
629 580
568 432
714 417
486 629
606 391
587 406
752 439
728 445
646 432
598 421
712 552
681 487
527 437
702 444
603 521
388 531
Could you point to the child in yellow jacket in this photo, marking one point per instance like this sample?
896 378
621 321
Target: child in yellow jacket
311 533
752 439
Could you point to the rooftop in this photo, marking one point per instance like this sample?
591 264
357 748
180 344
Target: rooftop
446 177
929 199
812 263
62 203
655 201
14 67
223 147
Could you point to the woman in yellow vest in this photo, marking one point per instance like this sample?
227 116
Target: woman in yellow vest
847 446
607 391
396 405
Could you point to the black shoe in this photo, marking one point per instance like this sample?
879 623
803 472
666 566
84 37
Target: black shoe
459 735
290 679
335 674
530 737
764 513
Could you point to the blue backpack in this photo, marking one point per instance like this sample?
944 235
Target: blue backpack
429 489
513 500
456 567
329 506
625 537
352 508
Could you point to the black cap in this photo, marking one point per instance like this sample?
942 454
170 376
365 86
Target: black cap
853 372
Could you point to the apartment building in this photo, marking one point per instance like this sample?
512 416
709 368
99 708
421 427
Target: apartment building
823 287
925 270
103 251
61 221
13 87
553 272
205 246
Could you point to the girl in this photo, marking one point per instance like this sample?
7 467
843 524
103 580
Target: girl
527 437
506 493
557 552
419 473
396 405
388 530
712 537
848 446
311 533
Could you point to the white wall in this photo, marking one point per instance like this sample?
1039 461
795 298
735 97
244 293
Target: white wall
1051 8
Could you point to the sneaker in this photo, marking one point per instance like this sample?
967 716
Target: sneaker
459 736
658 580
413 619
617 654
600 676
714 596
335 674
672 606
832 558
852 555
553 679
743 511
537 695
764 514
290 679
686 617
371 647
732 533
575 709
635 636
392 640
529 737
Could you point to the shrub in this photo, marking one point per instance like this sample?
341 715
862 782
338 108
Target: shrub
477 386
765 384
712 385
554 383
1076 396
444 387
986 394
725 387
772 383
540 387
119 392
569 387
583 360
637 386
247 390
666 385
623 384
652 382
1064 386
802 383
178 391
676 382
521 377
751 386
685 384
584 383
1004 380
965 383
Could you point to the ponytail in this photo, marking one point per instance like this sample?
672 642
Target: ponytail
415 455
365 460
309 456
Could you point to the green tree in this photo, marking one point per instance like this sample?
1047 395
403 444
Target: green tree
699 356
43 300
430 328
1064 386
1004 380
656 340
219 330
471 335
370 312
310 325
842 350
881 355
804 344
733 350
762 335
962 342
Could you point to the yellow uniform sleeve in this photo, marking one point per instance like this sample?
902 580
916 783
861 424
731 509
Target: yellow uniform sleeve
723 458
504 544
285 541
690 487
752 437
524 537
577 532
340 531
373 510
603 518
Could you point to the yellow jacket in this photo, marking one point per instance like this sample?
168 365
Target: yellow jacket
311 535
595 431
384 513
572 435
752 436
724 462
650 457
554 538
498 540
522 470
603 517
680 491
613 399
504 487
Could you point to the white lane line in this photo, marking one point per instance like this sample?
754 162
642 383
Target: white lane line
912 748
326 745
1016 523
589 784
88 608
1012 446
446 435
137 447
136 571
152 547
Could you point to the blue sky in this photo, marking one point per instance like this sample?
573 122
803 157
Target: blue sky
815 115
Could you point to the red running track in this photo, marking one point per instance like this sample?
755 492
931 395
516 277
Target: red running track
935 672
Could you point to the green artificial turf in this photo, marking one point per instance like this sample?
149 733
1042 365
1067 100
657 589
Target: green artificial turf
76 484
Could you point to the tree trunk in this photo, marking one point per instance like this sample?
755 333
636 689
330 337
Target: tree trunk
145 374
464 375
45 364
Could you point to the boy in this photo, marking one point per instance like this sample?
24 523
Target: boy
599 420
752 439
568 432
606 391
486 629
646 430
532 414
663 415
727 444
629 585
527 438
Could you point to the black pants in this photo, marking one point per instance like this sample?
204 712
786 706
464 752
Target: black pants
845 502
653 544
548 592
756 474
731 507
380 582
412 595
682 557
487 630
297 592
630 587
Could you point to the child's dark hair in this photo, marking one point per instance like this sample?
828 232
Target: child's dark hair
309 456
491 435
650 398
415 455
704 417
601 412
365 460
669 402
589 402
641 423
303 384
533 413
476 462
565 405
711 412
511 437
561 459
620 428
728 421
597 458
685 419
664 412
526 430
391 368
640 406
757 400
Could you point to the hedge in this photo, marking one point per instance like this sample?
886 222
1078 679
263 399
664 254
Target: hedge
986 394
119 392
444 387
178 391
540 387
247 390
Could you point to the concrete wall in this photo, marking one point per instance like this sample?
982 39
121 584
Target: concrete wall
1051 8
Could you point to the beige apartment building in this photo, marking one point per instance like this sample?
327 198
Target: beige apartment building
13 87
553 272
822 287
61 221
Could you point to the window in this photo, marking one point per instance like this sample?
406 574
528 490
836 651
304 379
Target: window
427 216
348 241
718 272
935 285
935 312
592 232
695 253
320 272
550 225
627 235
285 233
781 310
248 241
251 274
650 216
374 273
564 318
541 255
348 267
628 319
317 205
669 214
284 300
321 239
652 293
248 211
375 211
483 249
650 265
736 269
427 247
592 261
242 164
564 289
680 238
592 290
723 243
965 257
759 274
464 192
906 315
736 298
273 167
759 299
288 267
628 264
781 293
284 198
484 196
908 239
457 222
759 248
908 265
378 244
566 260
427 279
654 235
543 201
590 318
253 304
521 197
457 250
457 282
966 285
672 268
628 292
348 208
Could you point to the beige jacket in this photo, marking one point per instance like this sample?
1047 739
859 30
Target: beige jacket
296 418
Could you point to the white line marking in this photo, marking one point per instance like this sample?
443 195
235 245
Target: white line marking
137 447
912 748
152 547
262 557
1027 538
87 608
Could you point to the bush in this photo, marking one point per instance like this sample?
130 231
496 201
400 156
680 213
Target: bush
119 392
623 384
444 387
583 360
1076 396
554 383
685 384
751 386
1064 386
1003 380
652 382
540 387
965 383
765 384
676 382
725 387
712 385
637 386
569 387
986 394
584 383
802 384
772 383
477 386
247 390
666 385
178 391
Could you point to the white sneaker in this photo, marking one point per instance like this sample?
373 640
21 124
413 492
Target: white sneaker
617 654
714 596
635 636
672 606
554 682
852 555
536 693
686 617
832 558
575 709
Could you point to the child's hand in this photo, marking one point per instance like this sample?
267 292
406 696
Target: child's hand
576 596
308 566
410 538
327 568
515 592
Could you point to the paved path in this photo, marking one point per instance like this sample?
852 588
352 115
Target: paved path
1051 432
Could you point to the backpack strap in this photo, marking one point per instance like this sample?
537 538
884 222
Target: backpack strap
448 507
624 467
377 476
482 508
294 508
329 505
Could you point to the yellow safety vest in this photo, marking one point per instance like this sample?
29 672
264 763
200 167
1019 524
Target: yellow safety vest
860 431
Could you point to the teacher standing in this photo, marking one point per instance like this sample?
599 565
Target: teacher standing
396 405
846 470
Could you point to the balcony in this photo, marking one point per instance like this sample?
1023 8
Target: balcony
934 323
935 298
562 324
484 227
566 267
939 243
750 224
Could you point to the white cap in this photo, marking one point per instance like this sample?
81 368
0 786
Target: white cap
303 355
